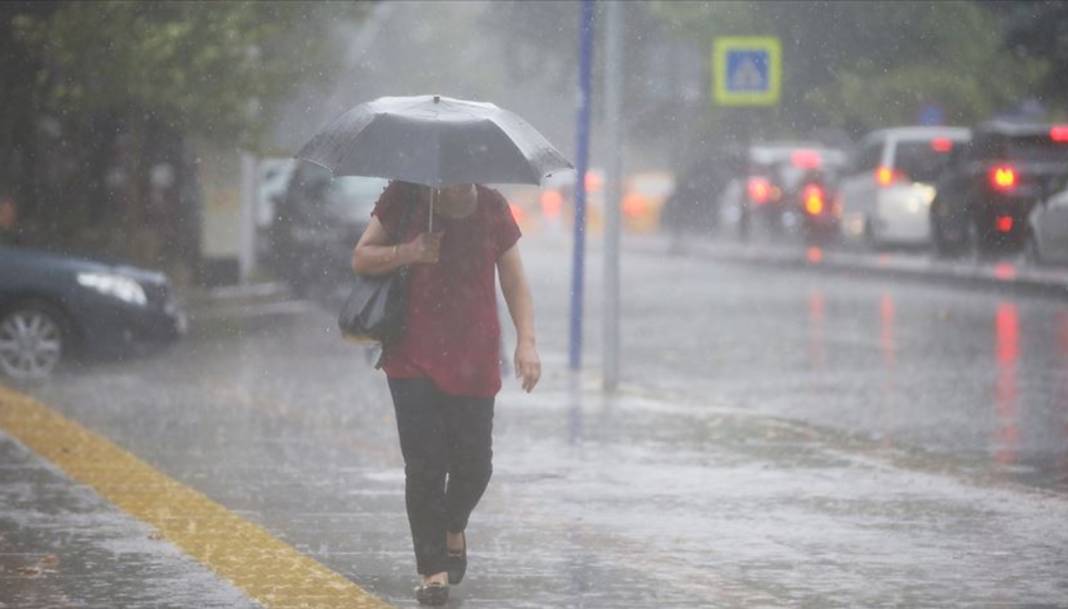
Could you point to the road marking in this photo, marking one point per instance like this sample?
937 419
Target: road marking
270 571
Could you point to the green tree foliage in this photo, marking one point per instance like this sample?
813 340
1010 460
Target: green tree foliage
214 69
1039 29
102 98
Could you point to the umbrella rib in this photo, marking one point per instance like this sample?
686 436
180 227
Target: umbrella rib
317 163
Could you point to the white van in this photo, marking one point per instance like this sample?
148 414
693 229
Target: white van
886 192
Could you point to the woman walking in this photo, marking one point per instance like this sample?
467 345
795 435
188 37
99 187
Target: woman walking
444 371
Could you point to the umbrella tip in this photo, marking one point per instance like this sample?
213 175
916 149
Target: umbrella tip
437 98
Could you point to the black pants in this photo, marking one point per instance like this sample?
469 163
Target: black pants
447 442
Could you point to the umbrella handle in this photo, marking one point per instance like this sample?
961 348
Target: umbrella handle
431 229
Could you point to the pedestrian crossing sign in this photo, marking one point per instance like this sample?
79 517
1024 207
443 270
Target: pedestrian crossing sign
746 71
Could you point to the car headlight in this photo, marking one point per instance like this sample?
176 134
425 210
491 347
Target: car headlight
116 286
927 194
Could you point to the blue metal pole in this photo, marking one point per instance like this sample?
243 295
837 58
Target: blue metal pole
582 149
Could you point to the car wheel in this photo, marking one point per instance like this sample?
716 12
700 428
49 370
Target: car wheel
33 337
951 236
871 235
941 243
977 244
743 224
1032 253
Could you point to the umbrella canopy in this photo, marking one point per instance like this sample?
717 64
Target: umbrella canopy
436 141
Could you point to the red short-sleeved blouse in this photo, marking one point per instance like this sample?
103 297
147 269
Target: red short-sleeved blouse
453 333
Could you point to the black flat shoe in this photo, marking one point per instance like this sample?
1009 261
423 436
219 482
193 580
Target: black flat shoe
457 564
432 594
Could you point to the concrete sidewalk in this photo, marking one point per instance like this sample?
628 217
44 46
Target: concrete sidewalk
62 545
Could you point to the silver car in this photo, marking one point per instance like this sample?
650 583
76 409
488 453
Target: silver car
888 188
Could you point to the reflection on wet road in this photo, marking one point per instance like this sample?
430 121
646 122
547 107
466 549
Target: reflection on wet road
817 342
1005 400
975 376
886 332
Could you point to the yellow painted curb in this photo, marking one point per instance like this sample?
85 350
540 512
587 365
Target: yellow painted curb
270 571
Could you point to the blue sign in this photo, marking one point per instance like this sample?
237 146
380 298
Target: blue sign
747 71
932 115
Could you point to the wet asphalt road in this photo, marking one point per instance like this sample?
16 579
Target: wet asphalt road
783 438
977 376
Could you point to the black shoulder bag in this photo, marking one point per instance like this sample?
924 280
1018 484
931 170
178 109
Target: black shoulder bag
375 309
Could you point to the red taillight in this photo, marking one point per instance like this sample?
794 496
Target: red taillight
813 198
942 145
1004 224
1059 133
759 189
552 202
594 181
1003 178
886 176
806 159
635 205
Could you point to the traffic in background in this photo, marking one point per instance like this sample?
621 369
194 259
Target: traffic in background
993 193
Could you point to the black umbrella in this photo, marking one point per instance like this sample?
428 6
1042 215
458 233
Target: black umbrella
436 141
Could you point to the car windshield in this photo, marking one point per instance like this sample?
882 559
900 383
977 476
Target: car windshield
791 163
921 160
1035 148
352 199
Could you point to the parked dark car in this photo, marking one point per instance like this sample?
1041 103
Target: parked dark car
991 184
317 224
693 205
53 305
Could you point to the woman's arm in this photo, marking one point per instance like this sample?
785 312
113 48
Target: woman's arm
521 308
375 255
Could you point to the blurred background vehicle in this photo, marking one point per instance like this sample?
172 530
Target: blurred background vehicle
273 177
820 216
316 225
53 305
645 194
887 191
1047 235
694 202
644 200
770 190
990 186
